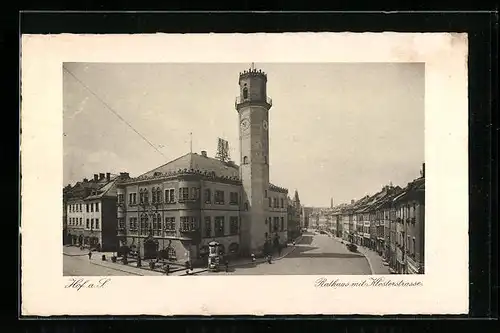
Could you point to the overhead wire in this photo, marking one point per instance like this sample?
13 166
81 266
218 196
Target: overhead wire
113 111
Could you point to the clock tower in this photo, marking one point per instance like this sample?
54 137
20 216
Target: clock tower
253 108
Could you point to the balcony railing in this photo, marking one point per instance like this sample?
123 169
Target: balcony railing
240 100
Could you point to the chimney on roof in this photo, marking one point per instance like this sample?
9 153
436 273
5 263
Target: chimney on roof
108 176
352 201
96 177
204 153
423 170
101 176
124 175
85 180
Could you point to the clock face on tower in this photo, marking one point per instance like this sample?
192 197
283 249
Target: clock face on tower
264 125
245 124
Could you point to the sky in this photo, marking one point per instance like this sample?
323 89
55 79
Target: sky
337 130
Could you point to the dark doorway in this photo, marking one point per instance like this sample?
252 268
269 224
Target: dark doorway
150 248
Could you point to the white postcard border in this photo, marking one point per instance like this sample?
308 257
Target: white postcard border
445 284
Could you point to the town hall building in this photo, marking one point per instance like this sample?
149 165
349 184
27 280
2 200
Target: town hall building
176 210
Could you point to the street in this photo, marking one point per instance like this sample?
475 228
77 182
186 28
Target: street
316 254
82 266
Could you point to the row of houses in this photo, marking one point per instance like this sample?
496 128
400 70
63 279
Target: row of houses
89 212
390 222
94 212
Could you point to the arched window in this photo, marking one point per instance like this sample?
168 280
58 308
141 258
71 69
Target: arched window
245 160
222 249
245 93
246 205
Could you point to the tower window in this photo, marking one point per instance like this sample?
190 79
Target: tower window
245 93
245 160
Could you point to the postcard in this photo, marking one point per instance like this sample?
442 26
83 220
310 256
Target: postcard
244 174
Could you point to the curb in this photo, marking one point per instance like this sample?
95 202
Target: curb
364 255
75 255
369 262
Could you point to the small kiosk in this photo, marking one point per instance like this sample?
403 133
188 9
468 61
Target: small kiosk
214 256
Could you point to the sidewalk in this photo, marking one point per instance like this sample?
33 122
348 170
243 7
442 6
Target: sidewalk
175 270
131 267
241 262
375 261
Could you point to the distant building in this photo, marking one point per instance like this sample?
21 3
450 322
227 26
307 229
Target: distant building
305 221
294 216
91 212
390 222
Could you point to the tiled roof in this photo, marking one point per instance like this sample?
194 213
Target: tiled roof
418 185
195 162
109 189
275 188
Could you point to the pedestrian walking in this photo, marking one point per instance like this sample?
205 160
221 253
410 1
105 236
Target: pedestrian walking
90 254
269 258
227 265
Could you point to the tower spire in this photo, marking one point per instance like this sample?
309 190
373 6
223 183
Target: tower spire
191 142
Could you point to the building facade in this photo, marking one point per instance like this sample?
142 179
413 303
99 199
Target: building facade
91 212
294 216
392 223
410 223
305 222
175 210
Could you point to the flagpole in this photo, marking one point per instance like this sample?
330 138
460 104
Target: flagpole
191 142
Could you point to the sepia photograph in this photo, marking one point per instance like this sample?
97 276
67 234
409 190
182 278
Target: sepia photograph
244 174
245 169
